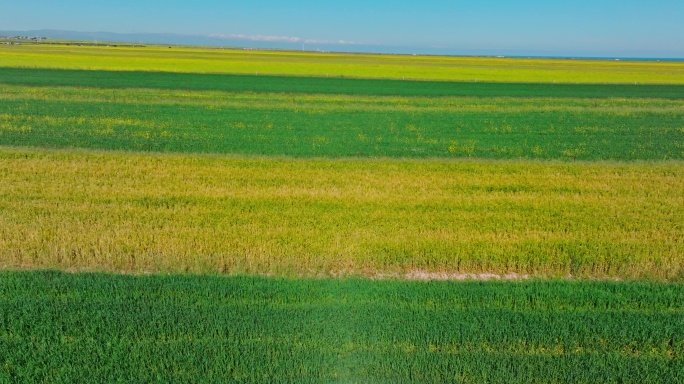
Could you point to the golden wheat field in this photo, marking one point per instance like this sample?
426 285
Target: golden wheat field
203 60
128 212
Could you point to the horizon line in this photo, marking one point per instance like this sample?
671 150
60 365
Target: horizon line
383 49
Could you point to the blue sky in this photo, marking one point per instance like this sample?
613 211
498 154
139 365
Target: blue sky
600 26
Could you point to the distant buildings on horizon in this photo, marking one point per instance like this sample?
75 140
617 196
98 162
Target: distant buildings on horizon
36 39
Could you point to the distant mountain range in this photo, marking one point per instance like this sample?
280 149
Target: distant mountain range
294 43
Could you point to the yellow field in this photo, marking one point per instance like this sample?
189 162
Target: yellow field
109 211
336 65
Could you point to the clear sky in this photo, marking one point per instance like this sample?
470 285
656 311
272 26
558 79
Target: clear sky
562 25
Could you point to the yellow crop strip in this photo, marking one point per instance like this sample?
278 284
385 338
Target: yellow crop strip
471 69
127 212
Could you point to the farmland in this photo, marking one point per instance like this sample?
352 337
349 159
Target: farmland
468 69
250 83
173 214
500 122
206 214
106 328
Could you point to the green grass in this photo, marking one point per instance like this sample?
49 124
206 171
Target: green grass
163 59
338 126
340 86
103 211
73 328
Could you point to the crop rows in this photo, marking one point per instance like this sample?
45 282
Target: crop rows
316 125
473 69
90 327
40 77
561 169
172 213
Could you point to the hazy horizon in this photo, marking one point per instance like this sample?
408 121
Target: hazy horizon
101 37
611 28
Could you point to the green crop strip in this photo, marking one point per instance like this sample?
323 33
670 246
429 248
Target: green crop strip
313 85
334 126
73 328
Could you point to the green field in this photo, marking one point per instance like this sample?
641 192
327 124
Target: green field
163 59
341 118
292 198
328 86
73 328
